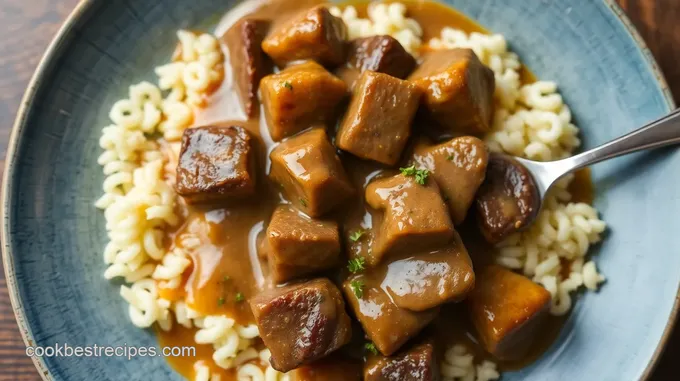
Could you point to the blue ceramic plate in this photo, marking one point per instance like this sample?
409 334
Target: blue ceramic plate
53 236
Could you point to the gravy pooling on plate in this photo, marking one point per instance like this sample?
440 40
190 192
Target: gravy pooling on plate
229 266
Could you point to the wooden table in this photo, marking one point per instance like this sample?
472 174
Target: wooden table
29 25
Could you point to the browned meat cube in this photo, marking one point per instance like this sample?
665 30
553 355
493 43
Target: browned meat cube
425 280
458 91
310 172
298 245
418 363
248 61
314 34
415 216
387 325
507 310
331 368
301 322
383 54
215 163
378 121
299 97
458 166
508 200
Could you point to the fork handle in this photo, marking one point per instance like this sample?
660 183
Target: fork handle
660 133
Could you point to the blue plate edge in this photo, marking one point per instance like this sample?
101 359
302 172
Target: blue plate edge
655 69
46 64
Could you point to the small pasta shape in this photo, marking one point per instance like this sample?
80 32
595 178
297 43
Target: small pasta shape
126 114
145 92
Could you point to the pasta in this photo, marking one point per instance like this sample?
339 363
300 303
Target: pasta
384 19
458 364
140 204
532 121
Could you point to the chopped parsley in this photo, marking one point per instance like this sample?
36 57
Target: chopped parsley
220 301
303 202
288 85
225 278
419 174
358 288
357 264
371 348
449 158
239 297
357 235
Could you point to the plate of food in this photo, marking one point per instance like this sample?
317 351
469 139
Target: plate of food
301 190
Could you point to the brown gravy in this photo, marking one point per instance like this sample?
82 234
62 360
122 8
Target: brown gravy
226 269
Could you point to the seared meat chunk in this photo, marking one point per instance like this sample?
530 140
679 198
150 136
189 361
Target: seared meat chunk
332 368
378 121
458 166
507 310
508 200
215 163
383 54
248 61
458 91
425 280
415 216
385 323
314 34
298 245
301 322
299 97
417 363
310 172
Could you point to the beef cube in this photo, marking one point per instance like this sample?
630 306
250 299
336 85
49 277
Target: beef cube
415 216
248 61
310 172
386 324
418 363
383 54
458 91
301 322
507 309
425 280
332 368
508 200
378 121
215 163
314 34
299 97
458 166
298 245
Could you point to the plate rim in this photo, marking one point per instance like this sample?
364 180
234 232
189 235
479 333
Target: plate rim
54 51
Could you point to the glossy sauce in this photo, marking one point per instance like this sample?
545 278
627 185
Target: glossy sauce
223 241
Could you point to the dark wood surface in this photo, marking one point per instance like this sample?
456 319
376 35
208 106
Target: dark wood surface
27 26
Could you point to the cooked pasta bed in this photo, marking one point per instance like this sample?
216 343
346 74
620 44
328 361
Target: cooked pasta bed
142 210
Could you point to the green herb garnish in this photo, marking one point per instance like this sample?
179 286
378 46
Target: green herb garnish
371 348
357 235
288 85
239 297
419 174
449 158
225 278
303 202
357 288
357 264
220 301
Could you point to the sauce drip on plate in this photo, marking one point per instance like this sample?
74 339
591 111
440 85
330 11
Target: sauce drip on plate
223 241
